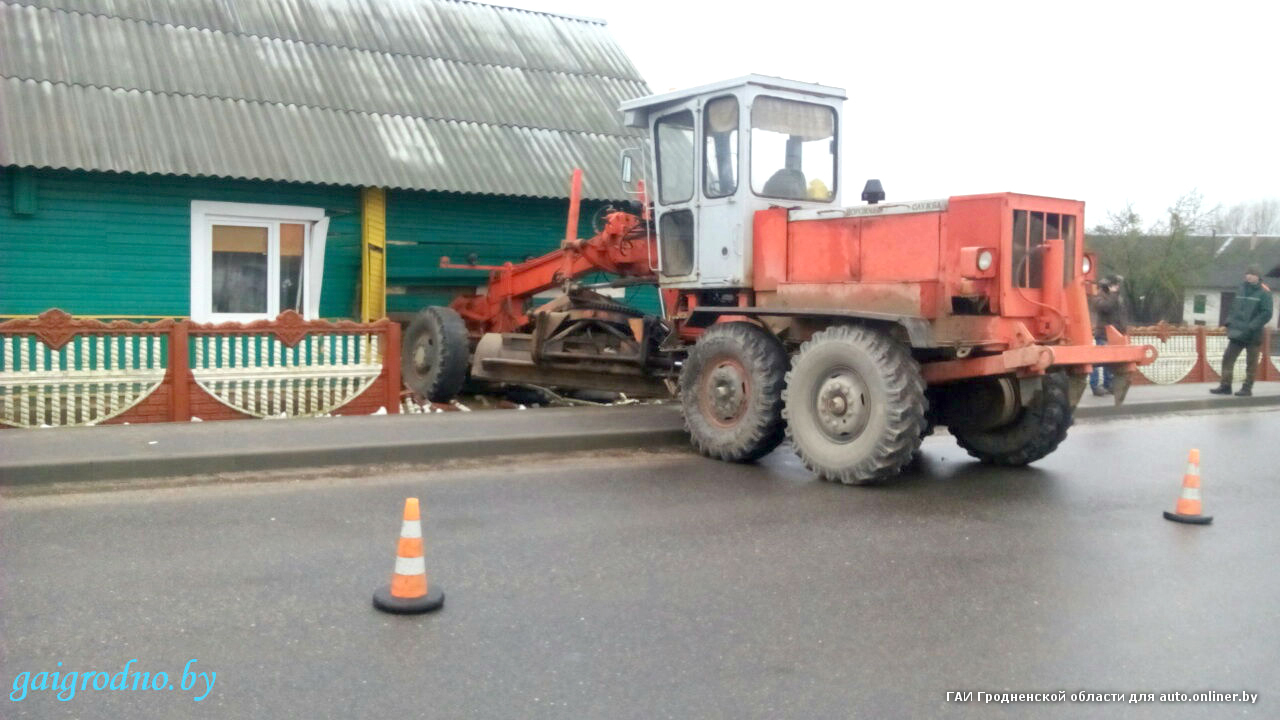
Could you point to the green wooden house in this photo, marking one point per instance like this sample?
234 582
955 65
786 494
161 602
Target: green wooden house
230 160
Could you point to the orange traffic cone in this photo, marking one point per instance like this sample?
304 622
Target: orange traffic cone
408 592
1188 508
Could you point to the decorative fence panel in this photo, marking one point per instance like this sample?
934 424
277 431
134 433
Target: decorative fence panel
256 373
56 370
1176 357
1194 354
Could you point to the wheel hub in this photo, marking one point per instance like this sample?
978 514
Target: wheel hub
841 405
422 354
726 392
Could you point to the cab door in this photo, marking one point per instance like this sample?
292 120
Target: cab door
721 256
676 202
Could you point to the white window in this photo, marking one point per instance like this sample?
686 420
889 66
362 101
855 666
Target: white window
250 262
793 149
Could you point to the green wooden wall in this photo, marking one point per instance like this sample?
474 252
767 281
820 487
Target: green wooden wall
110 244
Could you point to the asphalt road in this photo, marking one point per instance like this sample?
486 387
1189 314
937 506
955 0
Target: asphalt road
665 585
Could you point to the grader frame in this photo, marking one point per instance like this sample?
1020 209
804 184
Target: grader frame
852 329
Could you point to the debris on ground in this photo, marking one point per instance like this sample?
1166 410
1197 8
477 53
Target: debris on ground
519 397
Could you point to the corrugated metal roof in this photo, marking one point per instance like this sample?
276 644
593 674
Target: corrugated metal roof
422 94
81 127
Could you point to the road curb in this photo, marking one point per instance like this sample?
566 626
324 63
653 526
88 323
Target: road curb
117 452
1107 412
293 459
641 428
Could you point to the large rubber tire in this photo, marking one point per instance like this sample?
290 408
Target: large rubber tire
731 392
1037 430
854 405
435 354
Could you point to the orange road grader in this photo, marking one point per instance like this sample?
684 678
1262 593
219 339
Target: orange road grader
853 330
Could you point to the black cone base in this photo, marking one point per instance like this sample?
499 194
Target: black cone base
1189 519
383 600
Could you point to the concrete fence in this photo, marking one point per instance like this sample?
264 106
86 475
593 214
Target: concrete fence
1190 354
57 370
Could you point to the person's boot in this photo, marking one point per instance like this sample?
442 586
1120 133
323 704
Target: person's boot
1246 390
1221 390
1099 392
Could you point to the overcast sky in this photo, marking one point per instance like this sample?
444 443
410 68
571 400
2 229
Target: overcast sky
1106 102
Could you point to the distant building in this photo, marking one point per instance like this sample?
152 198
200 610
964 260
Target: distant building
1208 299
230 160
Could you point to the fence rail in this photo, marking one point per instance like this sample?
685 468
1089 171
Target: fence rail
1194 354
58 370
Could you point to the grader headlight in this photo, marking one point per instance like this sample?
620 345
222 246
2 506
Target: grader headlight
977 262
985 260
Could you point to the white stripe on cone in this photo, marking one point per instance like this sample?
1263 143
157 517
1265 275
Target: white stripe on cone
411 529
411 566
1190 493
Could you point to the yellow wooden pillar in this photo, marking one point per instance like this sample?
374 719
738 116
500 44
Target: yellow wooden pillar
373 254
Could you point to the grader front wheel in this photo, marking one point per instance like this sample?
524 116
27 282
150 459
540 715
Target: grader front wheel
1037 430
435 354
731 392
854 405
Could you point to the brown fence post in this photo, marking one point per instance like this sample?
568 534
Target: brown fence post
391 366
180 372
1268 370
1202 354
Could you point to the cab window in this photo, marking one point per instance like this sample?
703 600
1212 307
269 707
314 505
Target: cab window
675 157
720 157
793 153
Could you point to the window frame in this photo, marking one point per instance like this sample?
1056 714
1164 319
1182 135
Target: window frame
666 238
736 157
205 214
693 157
835 149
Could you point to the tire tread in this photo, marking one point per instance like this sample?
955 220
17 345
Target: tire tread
764 429
449 374
1038 432
906 412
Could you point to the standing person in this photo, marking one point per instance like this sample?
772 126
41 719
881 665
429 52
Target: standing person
1250 312
1107 308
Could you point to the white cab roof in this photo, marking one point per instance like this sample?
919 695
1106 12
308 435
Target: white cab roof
636 111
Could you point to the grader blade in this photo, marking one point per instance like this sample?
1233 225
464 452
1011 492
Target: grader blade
508 358
1120 385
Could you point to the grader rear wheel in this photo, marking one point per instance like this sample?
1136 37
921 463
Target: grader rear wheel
1036 431
435 354
854 405
731 392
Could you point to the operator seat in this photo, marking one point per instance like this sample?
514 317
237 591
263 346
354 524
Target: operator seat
788 184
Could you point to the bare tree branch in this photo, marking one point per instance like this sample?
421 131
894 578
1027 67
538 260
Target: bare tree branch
1246 218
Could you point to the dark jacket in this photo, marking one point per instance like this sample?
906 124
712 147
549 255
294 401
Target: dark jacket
1250 312
1108 309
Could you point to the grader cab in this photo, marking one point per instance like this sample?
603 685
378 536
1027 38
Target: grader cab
853 330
